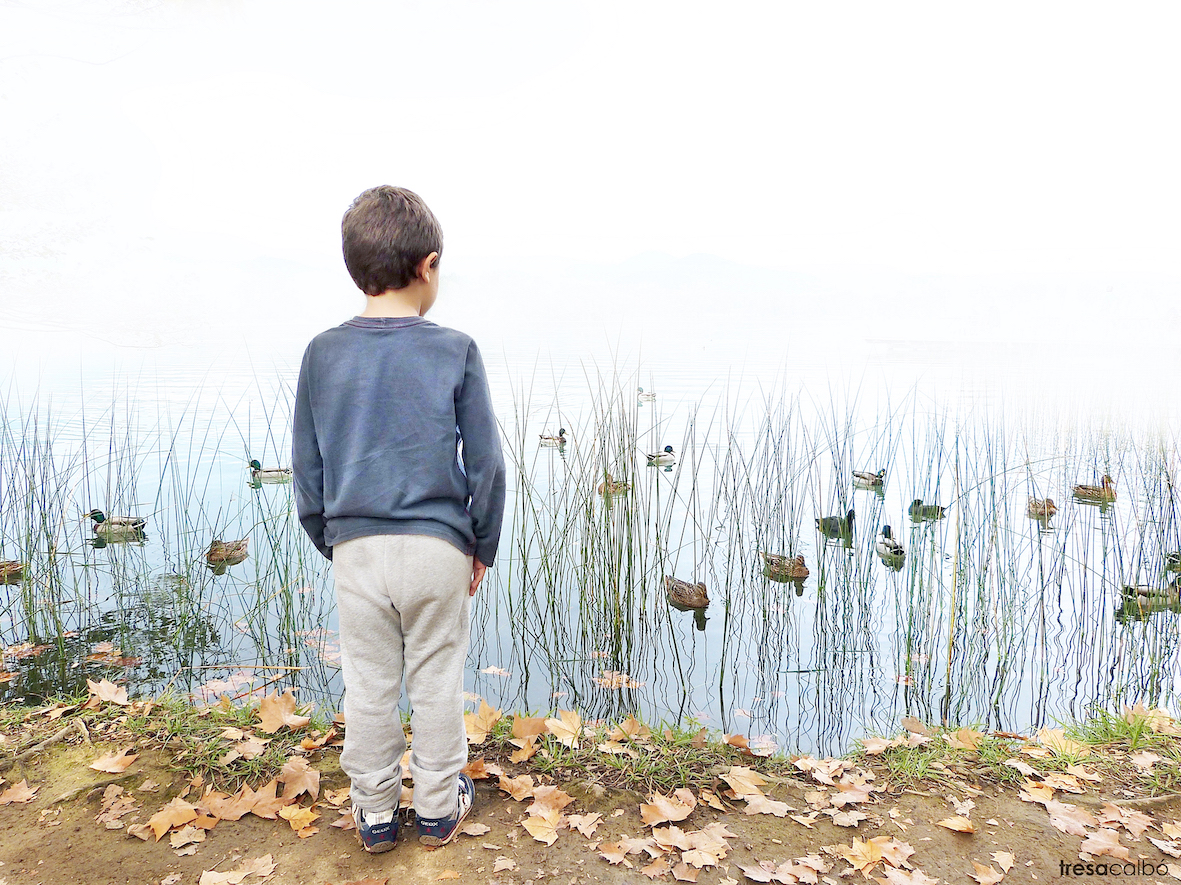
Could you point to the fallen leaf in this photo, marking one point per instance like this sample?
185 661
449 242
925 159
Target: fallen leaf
848 818
1056 740
298 817
755 873
174 814
958 824
114 763
108 691
520 788
862 855
567 728
964 739
18 794
1004 860
985 875
528 749
186 836
875 746
1170 848
474 829
277 711
544 826
664 808
761 804
547 798
479 724
528 726
447 874
1024 767
682 872
657 869
298 778
585 823
1135 822
1144 760
504 864
744 781
1103 842
476 769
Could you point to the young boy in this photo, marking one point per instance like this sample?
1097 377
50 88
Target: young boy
399 480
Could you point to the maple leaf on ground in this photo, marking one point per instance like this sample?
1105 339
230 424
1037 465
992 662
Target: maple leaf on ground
105 690
299 818
875 746
528 749
1024 767
657 869
1004 860
1070 818
671 837
847 793
504 864
543 826
1058 781
298 777
115 763
1135 822
806 819
682 872
1144 760
665 808
630 729
1056 740
755 873
258 866
263 802
1084 773
479 724
1170 848
567 728
520 788
615 748
958 824
547 798
225 807
585 823
847 818
528 726
276 711
744 781
174 814
186 836
894 852
1035 792
476 769
761 804
1103 842
18 794
612 852
985 875
964 739
863 854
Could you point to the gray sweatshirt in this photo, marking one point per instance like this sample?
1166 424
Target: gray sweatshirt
394 434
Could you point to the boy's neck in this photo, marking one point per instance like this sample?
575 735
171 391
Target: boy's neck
407 302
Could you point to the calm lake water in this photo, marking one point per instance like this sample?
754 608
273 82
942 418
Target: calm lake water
993 619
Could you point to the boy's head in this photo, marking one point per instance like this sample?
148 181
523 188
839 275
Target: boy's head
386 234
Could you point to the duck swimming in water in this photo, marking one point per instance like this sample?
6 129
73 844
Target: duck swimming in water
837 526
662 459
684 593
1103 493
778 567
869 480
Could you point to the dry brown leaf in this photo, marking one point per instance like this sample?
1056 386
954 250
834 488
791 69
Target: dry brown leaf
114 763
259 866
958 824
1036 792
186 836
476 769
682 872
665 808
264 802
585 823
546 798
1135 822
964 738
615 748
1023 767
908 877
657 869
176 813
504 864
520 788
18 794
756 873
1144 760
760 804
543 826
106 690
875 746
447 874
479 724
1069 818
1004 860
1103 842
298 778
475 829
1172 849
985 875
277 711
861 855
567 728
298 817
847 818
612 852
744 781
630 729
806 819
528 749
1055 739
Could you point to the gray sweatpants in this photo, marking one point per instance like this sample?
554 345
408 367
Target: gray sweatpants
403 606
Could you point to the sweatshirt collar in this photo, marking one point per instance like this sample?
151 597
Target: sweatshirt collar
385 322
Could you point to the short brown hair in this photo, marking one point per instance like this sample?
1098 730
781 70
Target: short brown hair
385 233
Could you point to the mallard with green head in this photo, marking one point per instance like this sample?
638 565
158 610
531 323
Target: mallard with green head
869 480
1102 493
269 474
610 486
684 593
116 526
1173 561
888 547
648 397
779 567
551 440
919 511
662 459
11 571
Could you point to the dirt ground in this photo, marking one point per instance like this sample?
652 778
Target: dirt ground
55 838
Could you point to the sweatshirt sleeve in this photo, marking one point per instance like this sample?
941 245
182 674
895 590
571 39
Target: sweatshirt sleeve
307 464
482 458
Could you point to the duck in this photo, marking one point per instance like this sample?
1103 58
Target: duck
269 474
551 440
1103 492
919 511
11 571
642 397
662 459
686 594
1041 509
869 480
227 552
116 526
779 567
1173 561
1150 595
611 486
837 526
889 547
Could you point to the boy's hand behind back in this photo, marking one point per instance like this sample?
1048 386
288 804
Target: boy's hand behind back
478 569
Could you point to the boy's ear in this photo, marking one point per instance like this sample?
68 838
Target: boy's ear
423 271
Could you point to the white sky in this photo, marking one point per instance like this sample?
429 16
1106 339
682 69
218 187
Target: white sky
149 144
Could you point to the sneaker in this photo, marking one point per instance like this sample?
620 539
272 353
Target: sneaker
440 831
378 829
